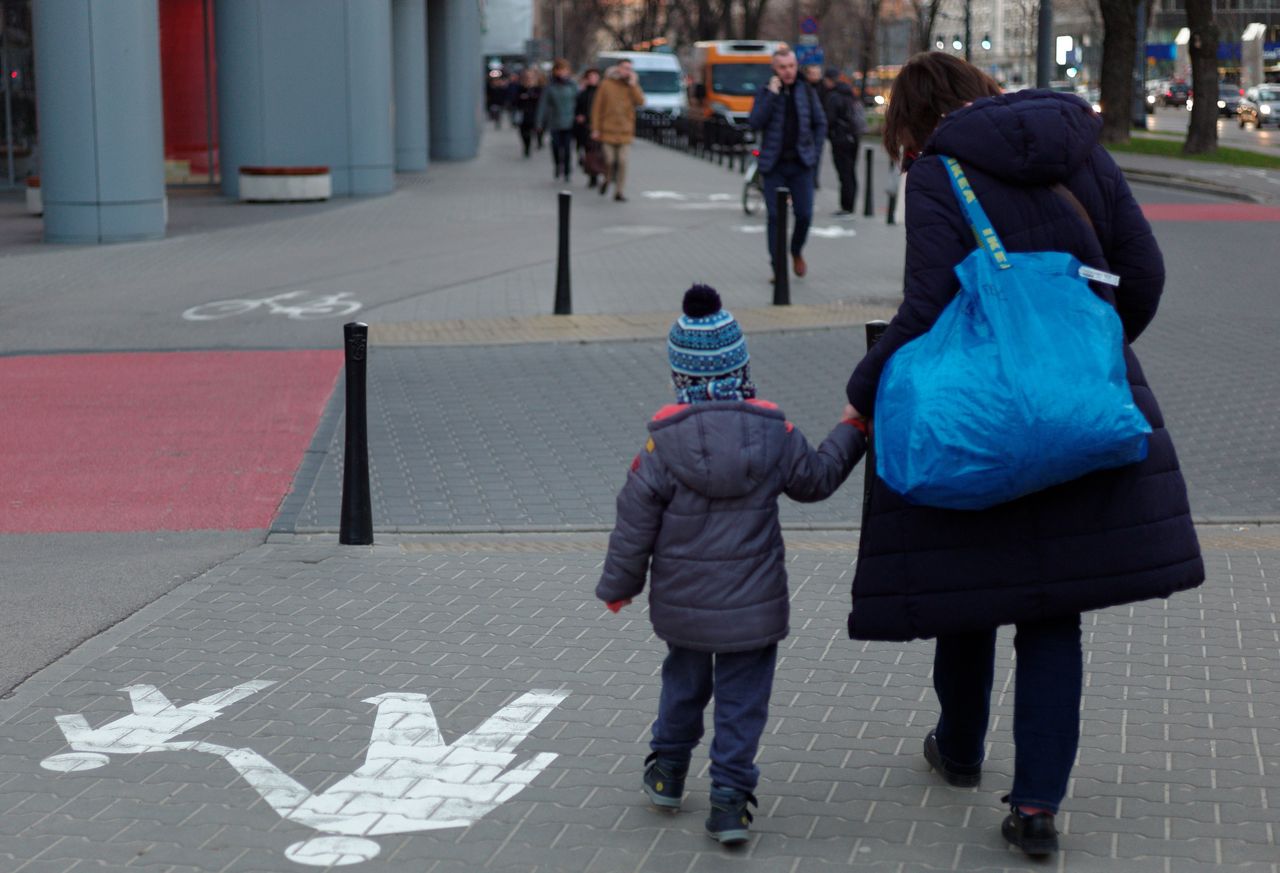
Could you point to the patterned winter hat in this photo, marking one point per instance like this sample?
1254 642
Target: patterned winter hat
708 352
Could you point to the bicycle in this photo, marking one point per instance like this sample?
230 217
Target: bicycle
320 306
753 186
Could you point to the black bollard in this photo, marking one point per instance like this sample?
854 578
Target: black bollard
875 330
893 207
564 302
781 278
357 511
868 205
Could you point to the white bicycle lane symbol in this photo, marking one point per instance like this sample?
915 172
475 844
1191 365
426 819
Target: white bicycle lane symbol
288 303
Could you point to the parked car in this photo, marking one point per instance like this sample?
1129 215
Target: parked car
1260 105
1175 94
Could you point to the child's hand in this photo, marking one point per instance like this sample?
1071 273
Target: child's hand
617 605
851 414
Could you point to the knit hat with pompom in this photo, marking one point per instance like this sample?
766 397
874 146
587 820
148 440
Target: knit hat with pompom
708 352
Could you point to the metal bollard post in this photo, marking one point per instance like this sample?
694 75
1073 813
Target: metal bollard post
781 278
357 512
868 205
875 330
564 302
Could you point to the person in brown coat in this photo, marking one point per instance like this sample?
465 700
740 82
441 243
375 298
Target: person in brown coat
613 122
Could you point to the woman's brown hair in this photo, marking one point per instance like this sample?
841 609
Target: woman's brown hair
561 67
929 86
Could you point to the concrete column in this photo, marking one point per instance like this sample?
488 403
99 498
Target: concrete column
305 82
455 65
101 129
409 59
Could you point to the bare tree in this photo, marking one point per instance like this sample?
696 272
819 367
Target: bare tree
1119 43
1202 134
629 24
925 15
753 12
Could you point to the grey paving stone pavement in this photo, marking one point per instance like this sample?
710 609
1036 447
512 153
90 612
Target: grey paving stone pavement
540 436
1178 769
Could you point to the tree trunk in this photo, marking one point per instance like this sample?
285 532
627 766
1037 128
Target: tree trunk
926 16
870 51
1119 43
1202 134
752 17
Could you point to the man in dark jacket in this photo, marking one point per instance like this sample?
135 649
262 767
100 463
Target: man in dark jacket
792 127
699 516
846 123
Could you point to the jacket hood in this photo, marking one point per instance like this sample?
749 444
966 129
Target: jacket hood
843 88
1024 138
721 449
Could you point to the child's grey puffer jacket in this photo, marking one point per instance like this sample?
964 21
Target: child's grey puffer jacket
701 501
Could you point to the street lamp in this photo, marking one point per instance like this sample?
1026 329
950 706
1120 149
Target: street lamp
940 44
986 42
957 43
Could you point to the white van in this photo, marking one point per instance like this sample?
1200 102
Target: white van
660 75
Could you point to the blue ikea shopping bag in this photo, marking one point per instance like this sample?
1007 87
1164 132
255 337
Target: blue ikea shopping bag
1019 385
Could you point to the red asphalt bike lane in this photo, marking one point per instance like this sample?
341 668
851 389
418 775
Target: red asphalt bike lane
1210 212
155 440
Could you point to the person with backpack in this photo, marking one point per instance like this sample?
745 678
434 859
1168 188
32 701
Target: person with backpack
846 123
1036 562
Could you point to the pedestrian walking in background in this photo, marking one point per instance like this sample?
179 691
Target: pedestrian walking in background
813 78
555 115
1110 537
591 152
495 97
792 127
699 516
846 123
527 99
613 123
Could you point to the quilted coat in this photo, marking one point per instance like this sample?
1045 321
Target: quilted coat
699 516
1111 537
769 116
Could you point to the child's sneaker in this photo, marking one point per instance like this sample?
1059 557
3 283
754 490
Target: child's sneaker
730 820
664 781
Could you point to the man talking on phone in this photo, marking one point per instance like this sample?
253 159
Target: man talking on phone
792 127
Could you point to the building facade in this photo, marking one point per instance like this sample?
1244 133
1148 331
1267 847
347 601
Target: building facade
110 101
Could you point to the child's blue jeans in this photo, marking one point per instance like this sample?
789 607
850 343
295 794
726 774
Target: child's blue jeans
741 683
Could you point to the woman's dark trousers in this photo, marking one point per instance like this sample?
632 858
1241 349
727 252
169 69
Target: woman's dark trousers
741 683
562 151
1046 703
846 161
526 138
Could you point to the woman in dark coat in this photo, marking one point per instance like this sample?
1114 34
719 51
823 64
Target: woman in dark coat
1110 537
526 108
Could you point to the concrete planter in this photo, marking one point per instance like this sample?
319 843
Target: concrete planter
35 201
284 184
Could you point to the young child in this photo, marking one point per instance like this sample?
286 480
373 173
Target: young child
699 515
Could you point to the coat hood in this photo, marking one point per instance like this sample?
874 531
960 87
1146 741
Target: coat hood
1024 138
722 449
843 88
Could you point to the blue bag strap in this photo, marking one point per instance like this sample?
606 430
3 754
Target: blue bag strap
986 235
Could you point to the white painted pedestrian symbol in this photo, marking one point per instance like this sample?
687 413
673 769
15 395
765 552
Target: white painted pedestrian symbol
154 722
411 780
